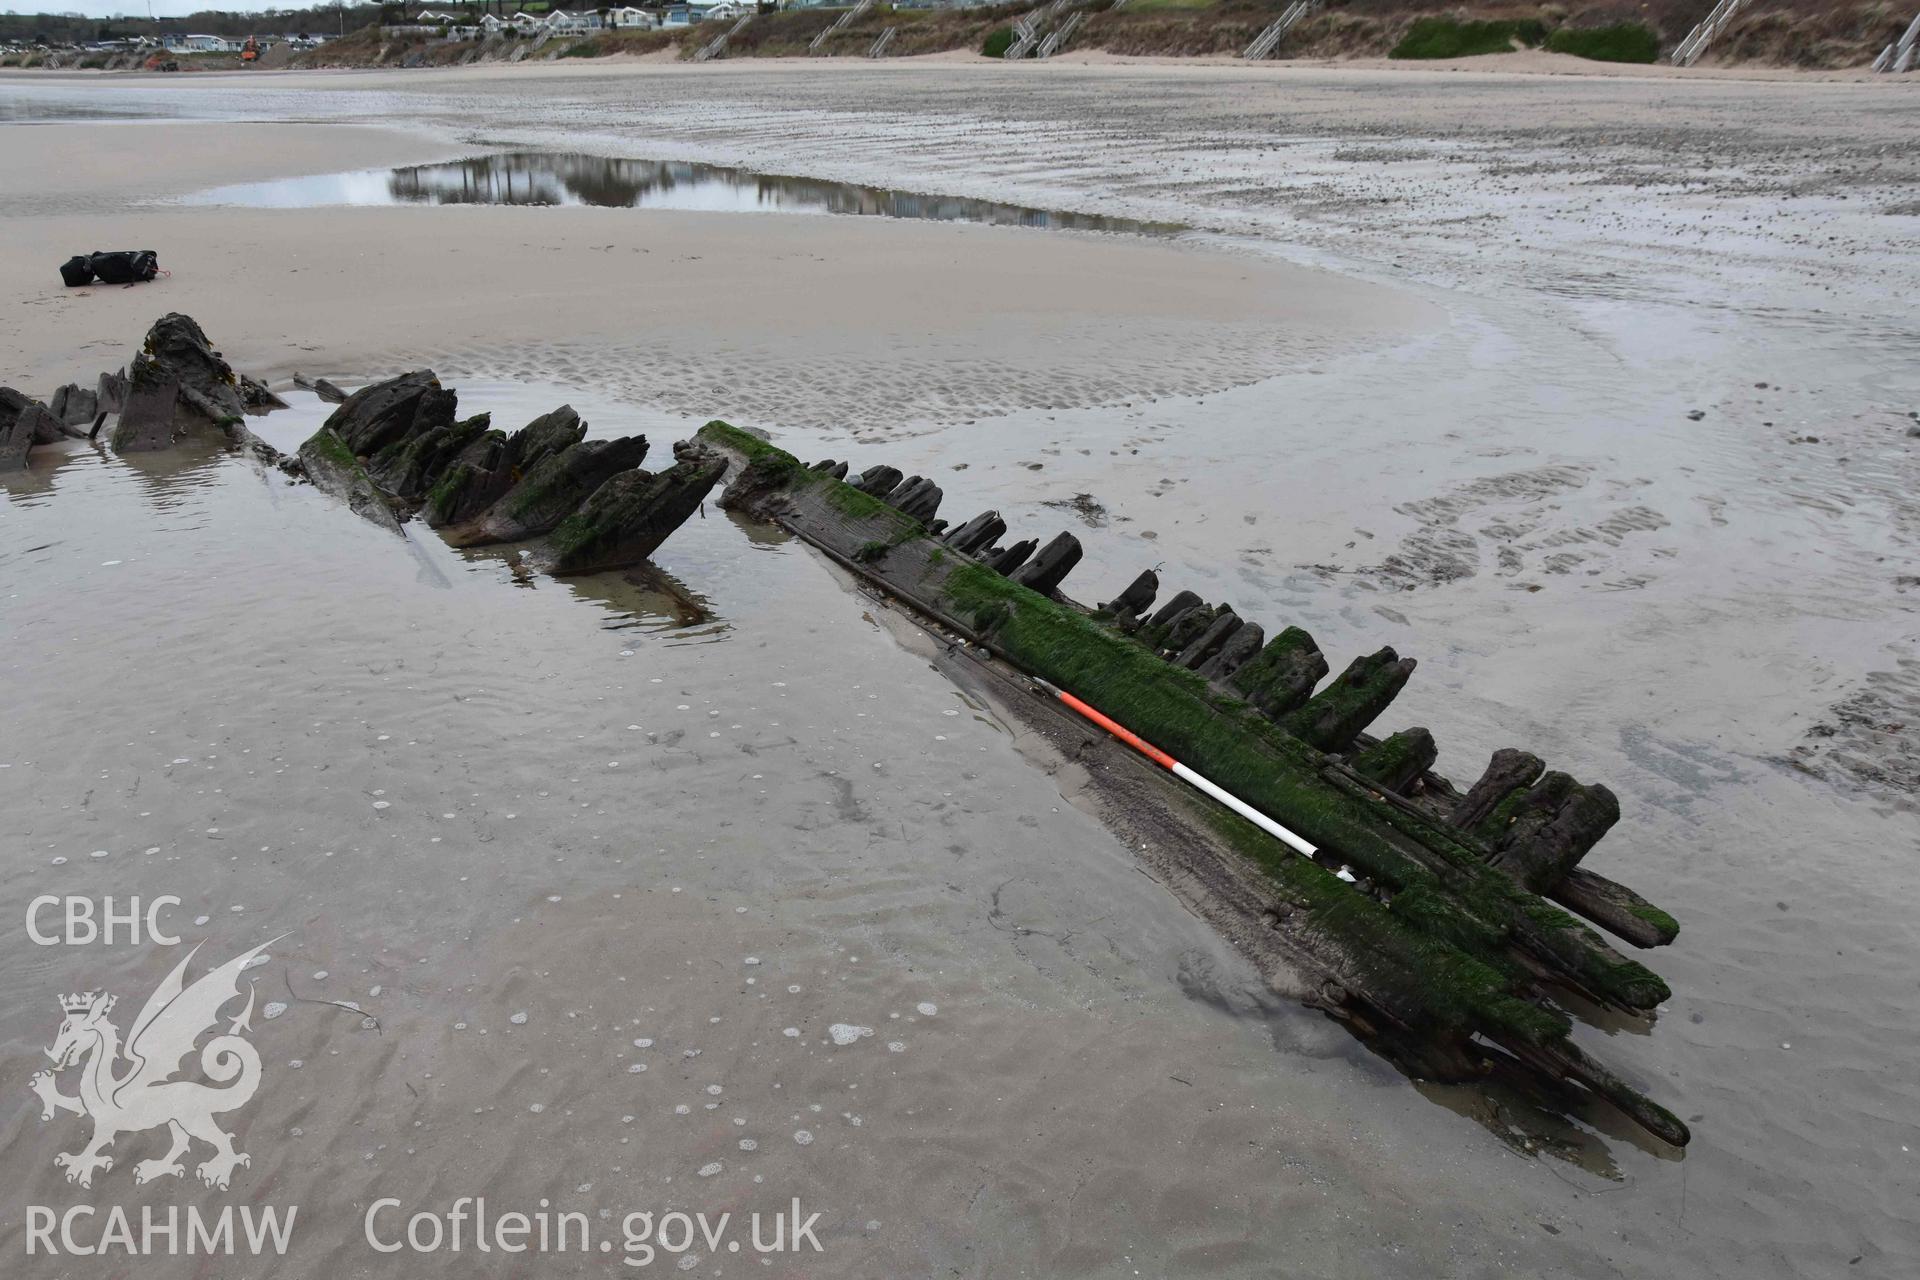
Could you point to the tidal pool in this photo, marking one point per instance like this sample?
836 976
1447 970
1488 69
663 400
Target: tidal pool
574 178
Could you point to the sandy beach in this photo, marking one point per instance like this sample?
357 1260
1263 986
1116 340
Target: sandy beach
1595 394
814 321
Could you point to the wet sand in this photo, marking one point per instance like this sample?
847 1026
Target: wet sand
1488 463
814 321
638 813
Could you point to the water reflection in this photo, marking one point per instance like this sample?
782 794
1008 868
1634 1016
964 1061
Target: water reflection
173 477
42 475
27 110
543 179
643 598
170 481
648 599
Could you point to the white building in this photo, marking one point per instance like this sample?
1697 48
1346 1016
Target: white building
199 44
630 19
575 21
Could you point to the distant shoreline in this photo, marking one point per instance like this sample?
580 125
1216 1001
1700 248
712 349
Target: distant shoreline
1531 63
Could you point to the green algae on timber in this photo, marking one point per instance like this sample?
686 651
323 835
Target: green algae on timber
874 551
1171 707
726 435
773 466
1398 759
1434 937
1333 717
864 506
1466 901
1654 916
326 443
333 469
1239 749
630 515
1423 977
1282 675
1177 711
557 485
445 497
403 466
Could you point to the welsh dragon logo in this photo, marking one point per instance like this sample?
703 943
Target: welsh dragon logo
142 1094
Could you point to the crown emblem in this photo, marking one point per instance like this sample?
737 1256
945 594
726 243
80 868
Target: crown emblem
80 1002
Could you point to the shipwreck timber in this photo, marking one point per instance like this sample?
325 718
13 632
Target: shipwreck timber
393 450
1423 907
575 505
1428 917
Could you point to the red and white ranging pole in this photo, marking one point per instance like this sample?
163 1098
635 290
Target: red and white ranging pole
1181 771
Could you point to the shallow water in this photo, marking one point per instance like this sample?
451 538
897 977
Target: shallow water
549 178
600 884
1665 604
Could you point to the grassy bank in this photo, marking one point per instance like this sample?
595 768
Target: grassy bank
1799 33
1454 38
1795 33
1620 42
